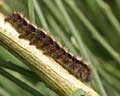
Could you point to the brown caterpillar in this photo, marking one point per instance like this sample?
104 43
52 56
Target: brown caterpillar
49 46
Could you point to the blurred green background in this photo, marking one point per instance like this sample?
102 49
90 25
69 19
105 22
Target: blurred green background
87 28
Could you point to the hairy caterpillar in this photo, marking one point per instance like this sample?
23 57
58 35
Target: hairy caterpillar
49 46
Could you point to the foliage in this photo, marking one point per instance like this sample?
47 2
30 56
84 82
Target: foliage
89 28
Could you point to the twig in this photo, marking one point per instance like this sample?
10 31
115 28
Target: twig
45 67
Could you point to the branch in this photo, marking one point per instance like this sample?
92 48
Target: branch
52 73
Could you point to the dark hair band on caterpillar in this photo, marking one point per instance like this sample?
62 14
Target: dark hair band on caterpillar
43 41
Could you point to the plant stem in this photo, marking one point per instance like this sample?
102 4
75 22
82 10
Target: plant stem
54 75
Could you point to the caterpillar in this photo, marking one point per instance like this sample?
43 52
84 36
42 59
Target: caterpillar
49 46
